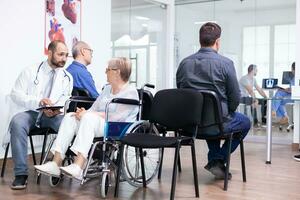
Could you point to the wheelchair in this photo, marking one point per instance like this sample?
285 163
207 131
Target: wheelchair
102 158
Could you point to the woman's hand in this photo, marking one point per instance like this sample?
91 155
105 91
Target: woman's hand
79 113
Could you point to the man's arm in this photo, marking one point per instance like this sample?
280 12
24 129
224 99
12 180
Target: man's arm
19 93
249 89
88 83
232 88
260 91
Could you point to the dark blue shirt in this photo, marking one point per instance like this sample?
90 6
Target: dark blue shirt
206 69
82 78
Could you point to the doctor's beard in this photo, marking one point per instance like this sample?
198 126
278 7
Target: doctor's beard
57 63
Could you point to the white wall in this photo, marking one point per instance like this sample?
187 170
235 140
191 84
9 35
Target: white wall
232 23
22 40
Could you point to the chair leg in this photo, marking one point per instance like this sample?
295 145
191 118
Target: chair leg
38 180
160 164
32 150
43 148
227 163
174 176
119 161
243 160
4 160
142 167
195 169
179 163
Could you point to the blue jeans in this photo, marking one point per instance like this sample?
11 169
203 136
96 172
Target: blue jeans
238 122
20 126
279 105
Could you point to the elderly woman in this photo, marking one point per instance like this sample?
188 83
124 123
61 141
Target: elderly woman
87 124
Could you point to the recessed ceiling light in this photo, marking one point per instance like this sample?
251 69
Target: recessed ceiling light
142 18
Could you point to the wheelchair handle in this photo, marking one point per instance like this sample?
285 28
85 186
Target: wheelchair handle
149 85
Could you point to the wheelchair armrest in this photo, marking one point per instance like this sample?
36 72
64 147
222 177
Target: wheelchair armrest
125 101
82 99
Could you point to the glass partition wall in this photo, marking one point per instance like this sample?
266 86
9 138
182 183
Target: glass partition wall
138 32
259 32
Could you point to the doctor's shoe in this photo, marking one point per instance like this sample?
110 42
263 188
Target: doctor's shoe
73 170
19 183
50 168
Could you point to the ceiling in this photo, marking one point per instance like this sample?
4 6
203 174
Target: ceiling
234 4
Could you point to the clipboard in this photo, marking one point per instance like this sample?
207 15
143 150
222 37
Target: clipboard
50 107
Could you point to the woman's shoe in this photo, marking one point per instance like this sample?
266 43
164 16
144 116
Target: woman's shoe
49 168
72 170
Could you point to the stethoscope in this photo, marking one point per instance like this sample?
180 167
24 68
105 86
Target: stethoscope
36 81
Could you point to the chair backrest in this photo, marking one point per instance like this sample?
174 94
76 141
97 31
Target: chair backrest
80 92
146 103
212 118
76 94
177 109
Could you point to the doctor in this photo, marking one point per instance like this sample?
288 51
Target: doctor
44 84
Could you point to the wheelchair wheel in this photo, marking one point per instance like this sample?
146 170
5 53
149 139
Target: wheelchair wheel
54 181
131 170
104 185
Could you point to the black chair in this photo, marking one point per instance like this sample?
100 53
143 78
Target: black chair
36 131
211 128
176 109
77 93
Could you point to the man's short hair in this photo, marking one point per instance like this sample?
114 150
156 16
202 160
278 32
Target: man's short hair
251 68
293 66
52 46
209 33
76 48
123 64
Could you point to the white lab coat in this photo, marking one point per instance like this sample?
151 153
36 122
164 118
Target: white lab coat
28 91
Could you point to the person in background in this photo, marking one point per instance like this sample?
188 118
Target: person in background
247 84
82 54
46 84
283 97
87 124
208 70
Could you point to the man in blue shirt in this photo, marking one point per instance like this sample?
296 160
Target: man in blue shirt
208 70
283 97
82 78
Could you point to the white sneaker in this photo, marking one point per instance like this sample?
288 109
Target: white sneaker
72 170
49 168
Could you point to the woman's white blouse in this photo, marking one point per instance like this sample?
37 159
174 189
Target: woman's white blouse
117 112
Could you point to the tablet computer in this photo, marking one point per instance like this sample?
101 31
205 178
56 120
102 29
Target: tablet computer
50 107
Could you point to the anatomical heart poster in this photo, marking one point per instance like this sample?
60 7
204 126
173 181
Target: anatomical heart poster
62 22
